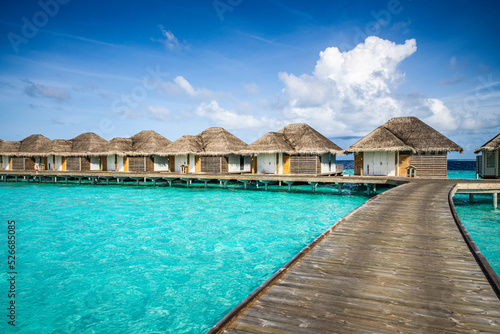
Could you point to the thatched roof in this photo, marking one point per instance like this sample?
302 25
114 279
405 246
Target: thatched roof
184 145
416 136
148 142
491 145
381 139
86 144
271 142
305 140
9 147
119 146
61 147
218 141
35 145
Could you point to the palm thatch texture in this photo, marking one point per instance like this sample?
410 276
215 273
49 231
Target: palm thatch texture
35 145
219 142
405 134
147 143
271 142
118 146
9 148
61 147
307 141
185 145
492 145
86 144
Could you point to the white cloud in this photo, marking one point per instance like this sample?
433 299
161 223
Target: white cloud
441 116
159 112
181 87
38 90
171 42
233 120
348 86
252 88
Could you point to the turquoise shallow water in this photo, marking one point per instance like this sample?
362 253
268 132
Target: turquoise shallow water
483 224
114 259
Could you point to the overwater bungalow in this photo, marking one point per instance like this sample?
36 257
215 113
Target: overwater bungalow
295 149
84 153
313 152
60 148
114 154
8 156
221 152
146 153
183 153
33 153
403 146
488 162
267 154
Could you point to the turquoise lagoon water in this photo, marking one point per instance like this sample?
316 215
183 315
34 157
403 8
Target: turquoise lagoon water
483 224
114 259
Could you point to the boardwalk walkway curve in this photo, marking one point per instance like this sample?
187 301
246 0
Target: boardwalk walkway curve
398 264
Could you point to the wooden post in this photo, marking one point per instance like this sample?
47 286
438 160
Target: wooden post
495 200
339 186
471 197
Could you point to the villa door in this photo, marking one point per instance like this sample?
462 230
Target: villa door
489 163
266 163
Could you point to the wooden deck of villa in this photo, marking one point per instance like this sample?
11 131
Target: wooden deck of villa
398 264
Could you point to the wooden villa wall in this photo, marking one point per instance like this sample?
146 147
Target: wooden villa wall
17 163
214 165
73 164
150 164
85 164
140 164
136 164
430 165
305 164
29 164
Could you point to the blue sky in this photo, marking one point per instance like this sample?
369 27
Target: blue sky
178 67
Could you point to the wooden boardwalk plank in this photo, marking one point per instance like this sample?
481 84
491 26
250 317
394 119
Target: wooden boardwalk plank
399 264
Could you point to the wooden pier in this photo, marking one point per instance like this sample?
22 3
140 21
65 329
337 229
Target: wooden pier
398 264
